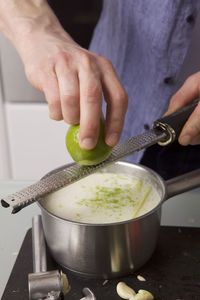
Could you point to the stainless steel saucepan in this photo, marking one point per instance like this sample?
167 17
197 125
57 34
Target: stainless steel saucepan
114 249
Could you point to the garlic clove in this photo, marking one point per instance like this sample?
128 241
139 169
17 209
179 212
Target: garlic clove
141 278
143 295
124 291
66 286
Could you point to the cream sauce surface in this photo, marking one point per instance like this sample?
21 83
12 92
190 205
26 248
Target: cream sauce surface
103 198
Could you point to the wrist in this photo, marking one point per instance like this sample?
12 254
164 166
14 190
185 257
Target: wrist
24 21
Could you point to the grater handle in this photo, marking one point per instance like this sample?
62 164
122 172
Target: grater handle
173 124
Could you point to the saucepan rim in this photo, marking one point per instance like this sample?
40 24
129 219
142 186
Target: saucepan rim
158 178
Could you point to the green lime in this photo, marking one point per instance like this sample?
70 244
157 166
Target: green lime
87 157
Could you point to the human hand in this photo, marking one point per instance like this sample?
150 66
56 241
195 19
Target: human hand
73 81
72 78
190 90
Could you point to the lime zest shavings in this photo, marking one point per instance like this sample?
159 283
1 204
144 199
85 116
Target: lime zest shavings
141 203
114 198
110 198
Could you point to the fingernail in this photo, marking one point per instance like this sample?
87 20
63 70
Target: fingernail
87 144
185 140
112 139
168 112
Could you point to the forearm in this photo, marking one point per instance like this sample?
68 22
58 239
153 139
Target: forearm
21 20
73 79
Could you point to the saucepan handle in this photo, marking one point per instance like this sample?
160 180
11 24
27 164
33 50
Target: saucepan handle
173 124
183 183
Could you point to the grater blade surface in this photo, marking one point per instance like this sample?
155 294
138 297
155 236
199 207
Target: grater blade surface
72 173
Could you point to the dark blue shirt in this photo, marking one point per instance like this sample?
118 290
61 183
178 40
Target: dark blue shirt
146 40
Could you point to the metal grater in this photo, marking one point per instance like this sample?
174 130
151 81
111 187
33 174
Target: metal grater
164 131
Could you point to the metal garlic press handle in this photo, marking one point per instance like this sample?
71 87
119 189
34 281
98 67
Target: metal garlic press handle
38 246
43 284
173 124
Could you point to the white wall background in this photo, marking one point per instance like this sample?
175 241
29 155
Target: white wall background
31 143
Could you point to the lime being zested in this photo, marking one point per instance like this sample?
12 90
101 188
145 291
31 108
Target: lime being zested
87 157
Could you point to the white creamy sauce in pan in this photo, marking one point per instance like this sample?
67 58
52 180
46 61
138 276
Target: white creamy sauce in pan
103 198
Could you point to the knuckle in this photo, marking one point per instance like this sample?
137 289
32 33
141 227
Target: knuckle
71 121
116 125
196 116
125 99
121 98
194 79
61 56
62 61
54 105
84 57
53 102
55 116
93 92
87 60
193 130
70 100
106 62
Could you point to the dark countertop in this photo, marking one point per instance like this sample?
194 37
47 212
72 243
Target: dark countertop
173 272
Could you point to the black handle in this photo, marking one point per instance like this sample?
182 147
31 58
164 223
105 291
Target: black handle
173 124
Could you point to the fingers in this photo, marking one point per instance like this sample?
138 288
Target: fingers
50 89
74 89
190 90
90 105
117 102
96 78
191 131
69 91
